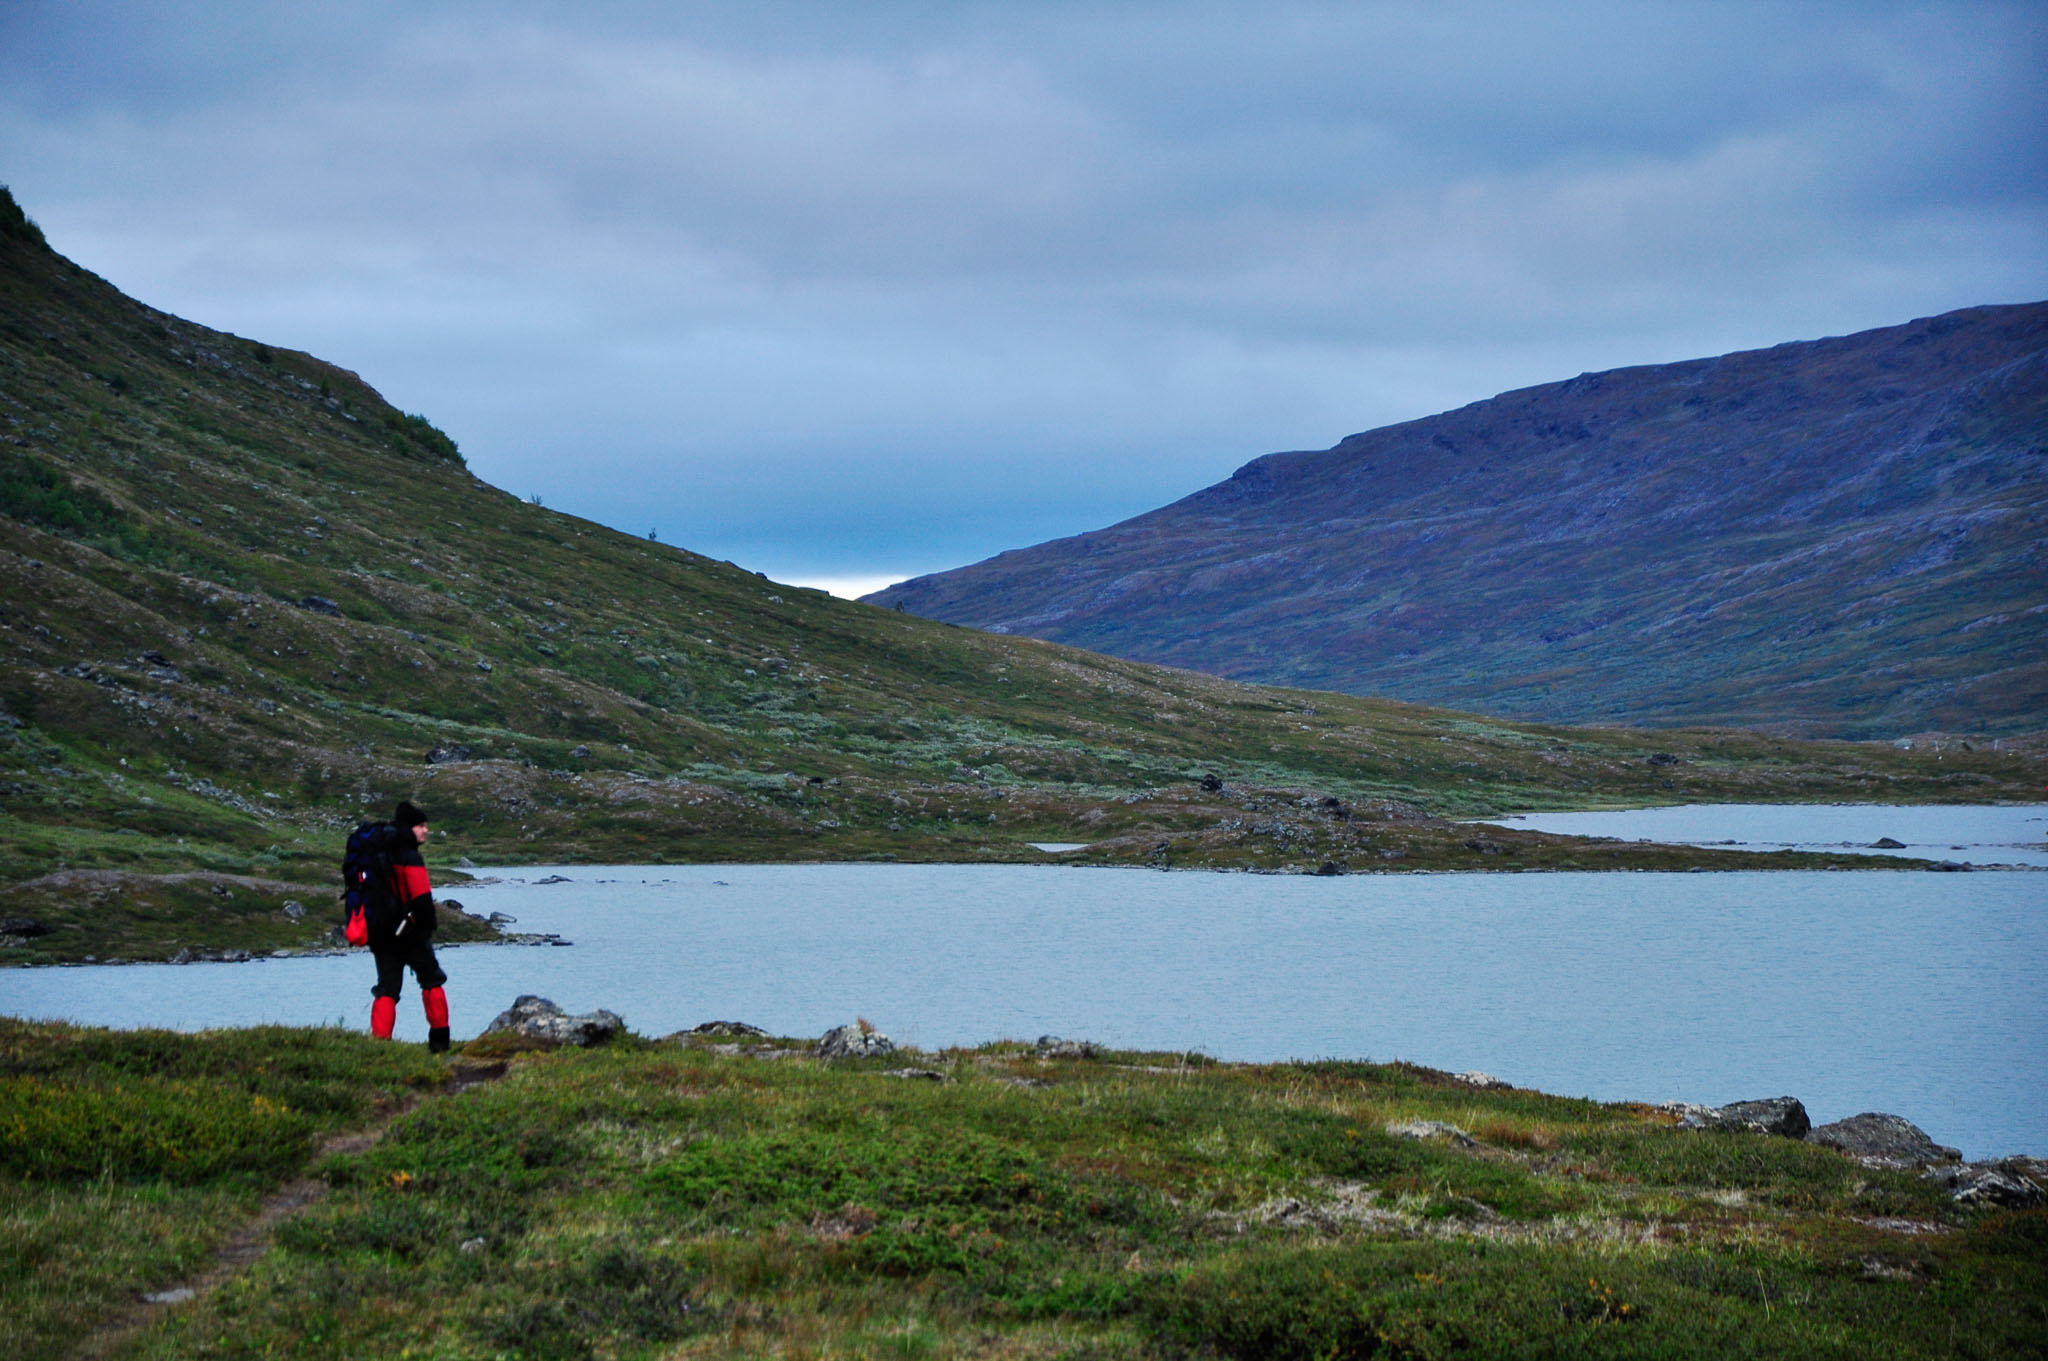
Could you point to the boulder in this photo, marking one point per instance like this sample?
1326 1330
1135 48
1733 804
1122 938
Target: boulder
729 1028
1885 843
1882 1141
25 927
541 1021
856 1041
2006 1183
1781 1115
1483 1081
1053 1047
447 755
319 604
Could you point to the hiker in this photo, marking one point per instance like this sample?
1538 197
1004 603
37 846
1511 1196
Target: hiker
408 941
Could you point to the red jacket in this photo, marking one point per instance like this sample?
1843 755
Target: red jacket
409 883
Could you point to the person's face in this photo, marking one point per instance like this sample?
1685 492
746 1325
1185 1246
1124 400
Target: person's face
420 833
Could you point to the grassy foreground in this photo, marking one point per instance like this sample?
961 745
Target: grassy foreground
660 1199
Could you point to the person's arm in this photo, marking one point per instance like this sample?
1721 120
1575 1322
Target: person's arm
415 890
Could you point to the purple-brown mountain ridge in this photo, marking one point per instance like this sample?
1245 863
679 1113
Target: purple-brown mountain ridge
1840 537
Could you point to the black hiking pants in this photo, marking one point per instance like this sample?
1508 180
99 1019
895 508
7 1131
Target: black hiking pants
413 950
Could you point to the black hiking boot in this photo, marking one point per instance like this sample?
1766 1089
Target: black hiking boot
437 1040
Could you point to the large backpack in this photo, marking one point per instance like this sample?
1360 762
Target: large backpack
369 906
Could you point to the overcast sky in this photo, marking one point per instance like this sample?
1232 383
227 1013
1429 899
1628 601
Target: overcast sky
850 291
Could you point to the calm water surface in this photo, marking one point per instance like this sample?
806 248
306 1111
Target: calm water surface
2010 835
1910 992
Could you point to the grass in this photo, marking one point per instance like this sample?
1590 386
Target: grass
664 1199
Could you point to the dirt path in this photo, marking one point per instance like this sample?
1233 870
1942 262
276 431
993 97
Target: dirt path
252 1239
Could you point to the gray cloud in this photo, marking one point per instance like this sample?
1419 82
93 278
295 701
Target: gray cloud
834 288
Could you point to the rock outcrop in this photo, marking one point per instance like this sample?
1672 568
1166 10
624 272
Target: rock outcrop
857 1041
1882 1140
539 1021
1780 1115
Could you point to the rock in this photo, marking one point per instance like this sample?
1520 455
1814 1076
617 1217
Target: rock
25 927
2004 1183
580 753
1431 1129
441 756
729 1028
538 1019
1329 869
555 879
1211 785
1663 758
1483 1081
1781 1115
920 1074
319 604
1881 1140
294 909
1053 1047
463 862
1484 846
473 1245
177 1296
1949 867
856 1041
1885 843
501 919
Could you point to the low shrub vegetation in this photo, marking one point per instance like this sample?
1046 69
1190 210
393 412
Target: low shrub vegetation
658 1199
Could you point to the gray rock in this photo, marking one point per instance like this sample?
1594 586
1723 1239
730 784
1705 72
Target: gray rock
447 755
854 1042
555 879
294 909
1781 1115
2005 1183
1431 1129
536 1018
918 1074
579 752
25 927
729 1028
1053 1047
1483 1081
463 862
178 1296
501 919
1883 1141
319 604
1885 843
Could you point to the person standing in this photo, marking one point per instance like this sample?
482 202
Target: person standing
407 941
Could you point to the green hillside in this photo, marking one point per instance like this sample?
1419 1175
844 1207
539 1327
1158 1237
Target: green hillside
247 602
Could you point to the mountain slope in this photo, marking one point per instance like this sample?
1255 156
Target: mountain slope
1844 537
244 602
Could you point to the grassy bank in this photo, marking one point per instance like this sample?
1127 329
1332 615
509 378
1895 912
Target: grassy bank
663 1199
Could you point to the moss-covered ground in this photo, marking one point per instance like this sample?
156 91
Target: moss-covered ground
668 1199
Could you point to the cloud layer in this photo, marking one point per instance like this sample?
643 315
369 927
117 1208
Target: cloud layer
856 290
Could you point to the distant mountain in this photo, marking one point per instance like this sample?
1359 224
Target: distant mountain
1845 537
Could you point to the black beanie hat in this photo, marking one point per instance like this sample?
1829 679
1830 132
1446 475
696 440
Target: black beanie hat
407 815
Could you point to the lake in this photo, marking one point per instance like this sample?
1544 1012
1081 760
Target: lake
1903 991
1978 835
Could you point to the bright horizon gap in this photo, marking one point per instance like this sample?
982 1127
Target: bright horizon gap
845 587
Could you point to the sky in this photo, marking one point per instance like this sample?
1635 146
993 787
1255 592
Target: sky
850 292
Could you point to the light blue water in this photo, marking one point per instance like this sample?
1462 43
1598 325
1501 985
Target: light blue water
1910 992
2010 835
